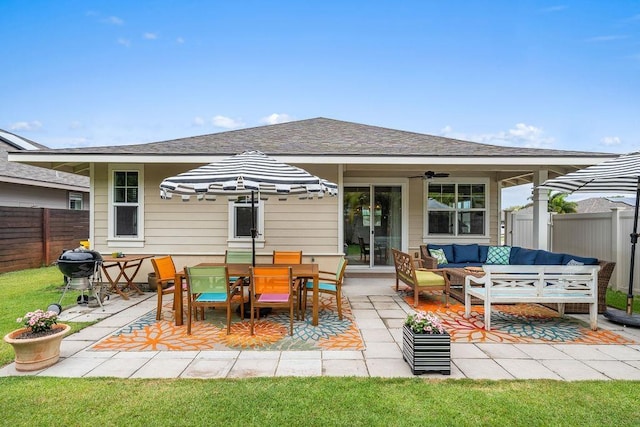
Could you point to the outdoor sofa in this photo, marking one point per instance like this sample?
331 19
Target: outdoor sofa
475 255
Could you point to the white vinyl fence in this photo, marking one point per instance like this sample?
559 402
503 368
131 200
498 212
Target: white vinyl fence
604 235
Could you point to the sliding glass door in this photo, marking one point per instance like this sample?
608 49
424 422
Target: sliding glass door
372 223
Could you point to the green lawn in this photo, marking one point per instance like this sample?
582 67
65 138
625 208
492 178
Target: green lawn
28 290
618 300
317 401
289 401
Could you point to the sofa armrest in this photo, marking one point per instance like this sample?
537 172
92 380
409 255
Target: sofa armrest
427 260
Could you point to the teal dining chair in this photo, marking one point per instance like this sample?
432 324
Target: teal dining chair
329 283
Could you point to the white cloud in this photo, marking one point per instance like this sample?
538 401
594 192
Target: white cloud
28 126
557 8
226 122
60 142
198 121
611 140
276 118
74 125
124 42
180 40
522 135
150 36
114 20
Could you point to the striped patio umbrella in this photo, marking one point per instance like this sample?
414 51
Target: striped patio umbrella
619 175
247 174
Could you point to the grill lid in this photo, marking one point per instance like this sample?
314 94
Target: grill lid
78 262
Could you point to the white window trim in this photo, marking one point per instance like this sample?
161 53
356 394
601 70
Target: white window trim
487 208
125 242
245 242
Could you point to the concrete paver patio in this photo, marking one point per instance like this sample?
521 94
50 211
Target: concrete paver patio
379 313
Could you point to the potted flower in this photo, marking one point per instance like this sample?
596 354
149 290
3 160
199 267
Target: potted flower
426 345
37 345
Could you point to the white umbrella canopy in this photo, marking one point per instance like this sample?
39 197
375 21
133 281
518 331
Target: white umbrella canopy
619 175
247 173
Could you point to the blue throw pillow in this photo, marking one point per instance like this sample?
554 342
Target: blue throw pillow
483 250
466 253
498 255
448 250
522 256
549 258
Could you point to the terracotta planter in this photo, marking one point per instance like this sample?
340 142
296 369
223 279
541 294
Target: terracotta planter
426 352
33 354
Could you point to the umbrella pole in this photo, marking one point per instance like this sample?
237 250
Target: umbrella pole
253 228
634 241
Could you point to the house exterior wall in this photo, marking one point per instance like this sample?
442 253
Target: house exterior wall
198 230
28 196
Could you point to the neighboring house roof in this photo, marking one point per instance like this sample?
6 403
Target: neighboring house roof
604 204
595 204
32 175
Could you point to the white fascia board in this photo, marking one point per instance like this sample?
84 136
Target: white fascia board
314 159
45 184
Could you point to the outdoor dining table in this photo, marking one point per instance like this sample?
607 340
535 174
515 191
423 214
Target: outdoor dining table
121 265
300 271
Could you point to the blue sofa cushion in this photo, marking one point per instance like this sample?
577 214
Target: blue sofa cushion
448 250
466 253
498 255
586 261
522 256
483 251
549 258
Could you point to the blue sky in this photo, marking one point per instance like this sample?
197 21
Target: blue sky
543 74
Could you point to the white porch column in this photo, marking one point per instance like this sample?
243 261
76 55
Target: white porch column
540 207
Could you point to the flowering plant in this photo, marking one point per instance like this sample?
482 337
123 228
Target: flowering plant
39 320
424 323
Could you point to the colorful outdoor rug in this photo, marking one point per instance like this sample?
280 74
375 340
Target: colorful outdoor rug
271 332
512 323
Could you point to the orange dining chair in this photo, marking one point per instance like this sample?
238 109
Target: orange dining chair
165 271
329 283
209 287
291 258
271 287
287 257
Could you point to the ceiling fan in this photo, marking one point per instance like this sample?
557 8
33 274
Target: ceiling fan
431 175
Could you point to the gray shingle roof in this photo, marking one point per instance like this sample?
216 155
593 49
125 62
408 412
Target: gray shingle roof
322 136
33 173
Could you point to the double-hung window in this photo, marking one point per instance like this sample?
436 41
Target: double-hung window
126 205
457 209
